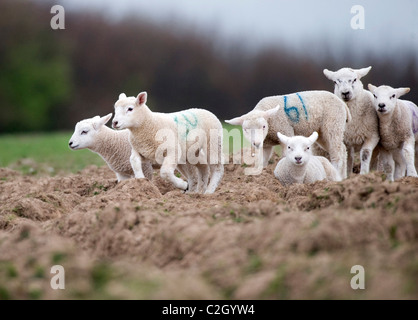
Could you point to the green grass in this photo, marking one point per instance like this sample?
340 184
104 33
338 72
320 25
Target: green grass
47 152
239 144
244 142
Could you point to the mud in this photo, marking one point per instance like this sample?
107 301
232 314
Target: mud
252 239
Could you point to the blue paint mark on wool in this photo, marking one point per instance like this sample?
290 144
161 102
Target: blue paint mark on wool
293 112
303 105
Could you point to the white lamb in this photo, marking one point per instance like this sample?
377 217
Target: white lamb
398 122
174 140
362 133
298 114
299 165
113 146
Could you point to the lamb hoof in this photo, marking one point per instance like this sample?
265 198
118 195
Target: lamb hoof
183 186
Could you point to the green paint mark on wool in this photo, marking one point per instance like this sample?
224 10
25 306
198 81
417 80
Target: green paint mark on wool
186 121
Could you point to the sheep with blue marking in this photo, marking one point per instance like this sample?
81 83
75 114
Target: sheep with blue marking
189 141
297 114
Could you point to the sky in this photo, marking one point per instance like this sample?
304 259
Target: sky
299 24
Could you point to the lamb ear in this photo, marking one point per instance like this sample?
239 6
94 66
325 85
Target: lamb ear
141 99
105 119
401 91
362 72
267 114
371 87
313 137
283 139
96 121
122 96
238 121
329 74
100 121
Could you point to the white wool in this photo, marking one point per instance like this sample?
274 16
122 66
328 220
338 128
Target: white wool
396 126
113 146
148 127
362 133
299 165
299 113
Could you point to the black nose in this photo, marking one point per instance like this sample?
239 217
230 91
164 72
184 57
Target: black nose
345 93
115 123
298 158
382 105
71 143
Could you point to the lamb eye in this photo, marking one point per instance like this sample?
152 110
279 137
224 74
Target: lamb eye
307 148
288 147
264 127
375 96
354 80
130 109
393 96
84 132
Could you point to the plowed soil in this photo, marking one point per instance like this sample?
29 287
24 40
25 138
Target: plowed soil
252 239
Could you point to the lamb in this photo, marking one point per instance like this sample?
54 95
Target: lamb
299 165
297 114
113 146
414 110
397 125
190 141
361 134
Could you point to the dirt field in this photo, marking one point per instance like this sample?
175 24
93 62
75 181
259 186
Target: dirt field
252 239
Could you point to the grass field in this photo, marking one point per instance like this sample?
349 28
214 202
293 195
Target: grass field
44 153
48 153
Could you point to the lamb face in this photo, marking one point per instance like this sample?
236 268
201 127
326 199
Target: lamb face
298 148
86 131
298 152
347 82
255 131
127 111
386 98
254 127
